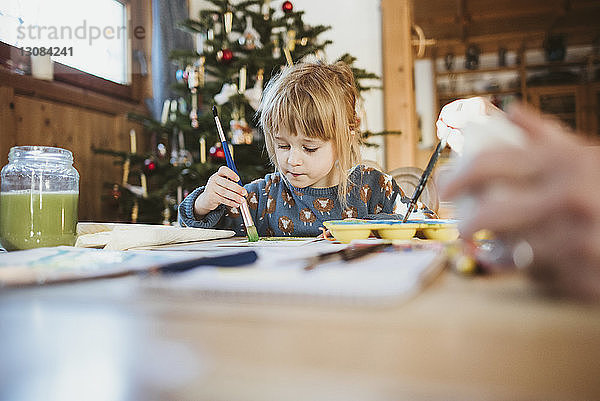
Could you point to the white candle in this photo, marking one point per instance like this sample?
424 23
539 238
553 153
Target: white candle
242 85
144 185
165 112
202 150
132 139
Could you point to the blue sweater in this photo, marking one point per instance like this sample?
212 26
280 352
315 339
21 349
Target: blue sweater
279 209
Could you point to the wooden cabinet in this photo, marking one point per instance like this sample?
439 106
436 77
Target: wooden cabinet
567 102
567 90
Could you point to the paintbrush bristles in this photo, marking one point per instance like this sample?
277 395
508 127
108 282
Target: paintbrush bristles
252 233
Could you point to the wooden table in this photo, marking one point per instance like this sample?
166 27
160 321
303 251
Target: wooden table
485 338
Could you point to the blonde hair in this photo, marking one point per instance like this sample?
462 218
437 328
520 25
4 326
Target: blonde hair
318 101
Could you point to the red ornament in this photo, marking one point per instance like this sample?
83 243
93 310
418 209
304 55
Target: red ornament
149 166
115 194
216 152
224 56
287 7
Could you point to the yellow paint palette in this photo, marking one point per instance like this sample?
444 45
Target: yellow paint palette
355 229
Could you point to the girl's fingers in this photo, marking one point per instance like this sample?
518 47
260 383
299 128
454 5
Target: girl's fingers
227 197
230 186
228 193
226 172
227 177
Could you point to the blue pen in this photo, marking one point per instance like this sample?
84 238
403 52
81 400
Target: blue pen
246 216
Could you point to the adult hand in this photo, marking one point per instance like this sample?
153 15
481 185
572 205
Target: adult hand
548 194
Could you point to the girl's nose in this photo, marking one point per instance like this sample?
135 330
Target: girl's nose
295 158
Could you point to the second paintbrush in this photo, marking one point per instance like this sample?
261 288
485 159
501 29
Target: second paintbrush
245 211
423 181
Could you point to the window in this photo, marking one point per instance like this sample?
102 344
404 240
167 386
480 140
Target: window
89 35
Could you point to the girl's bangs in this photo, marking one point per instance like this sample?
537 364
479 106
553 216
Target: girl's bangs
300 115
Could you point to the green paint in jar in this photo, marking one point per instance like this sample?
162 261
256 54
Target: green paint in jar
39 194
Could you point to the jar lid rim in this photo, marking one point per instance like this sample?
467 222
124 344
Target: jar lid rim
41 152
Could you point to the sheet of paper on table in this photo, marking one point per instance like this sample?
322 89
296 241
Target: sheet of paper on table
65 264
240 242
278 276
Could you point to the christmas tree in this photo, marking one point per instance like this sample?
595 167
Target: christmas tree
239 47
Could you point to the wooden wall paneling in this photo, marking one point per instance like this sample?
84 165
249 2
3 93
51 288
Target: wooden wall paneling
398 85
42 122
8 132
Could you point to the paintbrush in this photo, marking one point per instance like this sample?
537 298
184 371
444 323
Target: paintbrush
248 222
347 254
424 177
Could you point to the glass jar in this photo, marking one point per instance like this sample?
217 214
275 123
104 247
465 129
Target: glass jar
39 195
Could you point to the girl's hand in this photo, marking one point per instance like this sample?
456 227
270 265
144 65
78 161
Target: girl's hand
221 188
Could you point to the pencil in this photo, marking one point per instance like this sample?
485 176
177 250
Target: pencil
424 177
246 216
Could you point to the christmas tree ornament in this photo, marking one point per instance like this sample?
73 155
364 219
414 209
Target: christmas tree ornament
196 80
224 56
241 133
276 52
179 75
254 94
266 9
149 166
179 155
216 152
210 36
227 91
250 38
136 190
161 150
115 193
287 7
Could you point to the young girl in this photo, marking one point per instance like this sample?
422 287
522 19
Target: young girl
308 116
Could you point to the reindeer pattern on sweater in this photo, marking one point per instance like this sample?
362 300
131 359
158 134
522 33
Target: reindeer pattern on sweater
279 209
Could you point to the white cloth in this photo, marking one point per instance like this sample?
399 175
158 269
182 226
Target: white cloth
127 236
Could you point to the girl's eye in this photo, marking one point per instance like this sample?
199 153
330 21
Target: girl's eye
310 150
283 146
